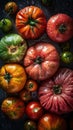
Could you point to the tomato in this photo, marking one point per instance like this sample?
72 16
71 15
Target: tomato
5 25
34 110
47 2
41 61
12 48
60 27
11 7
31 22
67 57
14 108
31 85
56 94
51 122
30 125
25 95
12 78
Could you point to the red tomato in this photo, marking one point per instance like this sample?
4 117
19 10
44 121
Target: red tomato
34 110
41 61
56 94
31 22
31 85
51 122
60 27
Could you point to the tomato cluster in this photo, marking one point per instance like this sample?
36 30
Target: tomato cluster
36 68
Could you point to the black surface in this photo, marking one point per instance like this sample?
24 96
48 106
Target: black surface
59 6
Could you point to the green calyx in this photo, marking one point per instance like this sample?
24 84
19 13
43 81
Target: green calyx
7 77
31 21
57 89
62 28
38 60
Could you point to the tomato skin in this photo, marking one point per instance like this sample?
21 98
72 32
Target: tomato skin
51 122
14 108
34 110
31 85
55 94
5 25
11 7
12 78
41 61
60 28
30 125
31 22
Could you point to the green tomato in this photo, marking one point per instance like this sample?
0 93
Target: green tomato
67 57
5 24
30 125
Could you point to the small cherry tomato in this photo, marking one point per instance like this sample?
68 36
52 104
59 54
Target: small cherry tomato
11 7
5 25
34 110
31 85
30 125
67 57
25 95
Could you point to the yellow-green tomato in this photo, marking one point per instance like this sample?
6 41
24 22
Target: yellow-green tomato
5 24
67 57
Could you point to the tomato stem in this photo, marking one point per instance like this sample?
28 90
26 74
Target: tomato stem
62 28
38 60
57 89
7 76
31 21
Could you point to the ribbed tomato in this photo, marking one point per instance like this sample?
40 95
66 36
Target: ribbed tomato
31 22
51 122
12 78
56 94
41 61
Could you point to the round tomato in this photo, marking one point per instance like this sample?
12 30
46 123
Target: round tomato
34 110
30 125
60 27
14 108
51 122
31 85
41 61
31 22
67 57
25 95
56 94
5 25
11 7
12 77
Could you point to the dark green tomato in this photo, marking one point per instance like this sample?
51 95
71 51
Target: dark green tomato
12 48
30 125
67 57
47 2
5 25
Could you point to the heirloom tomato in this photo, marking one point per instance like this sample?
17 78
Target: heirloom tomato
12 48
56 94
60 27
30 125
41 61
31 22
11 7
12 77
34 110
14 108
51 122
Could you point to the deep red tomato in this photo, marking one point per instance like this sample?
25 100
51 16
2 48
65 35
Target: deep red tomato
14 108
56 93
25 95
34 110
31 22
51 122
30 125
41 61
31 85
60 27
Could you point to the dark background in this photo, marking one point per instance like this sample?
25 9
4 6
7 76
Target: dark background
59 6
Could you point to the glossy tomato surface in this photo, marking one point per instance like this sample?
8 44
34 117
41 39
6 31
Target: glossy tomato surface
60 27
31 22
51 122
14 108
41 61
34 110
56 94
12 78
